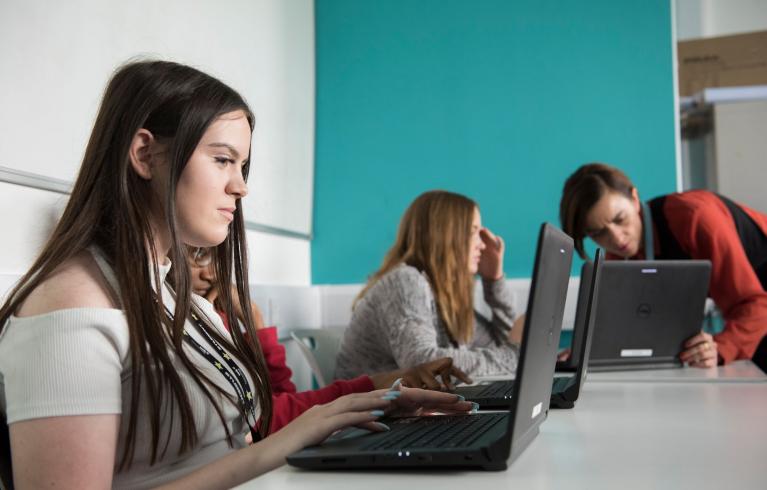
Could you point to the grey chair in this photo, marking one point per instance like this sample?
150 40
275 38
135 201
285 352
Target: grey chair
6 472
320 347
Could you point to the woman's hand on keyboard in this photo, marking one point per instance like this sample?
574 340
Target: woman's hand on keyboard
434 375
364 410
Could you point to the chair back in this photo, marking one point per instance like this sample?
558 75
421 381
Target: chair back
6 471
320 348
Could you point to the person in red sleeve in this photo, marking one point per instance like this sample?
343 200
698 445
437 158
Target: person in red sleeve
600 202
287 401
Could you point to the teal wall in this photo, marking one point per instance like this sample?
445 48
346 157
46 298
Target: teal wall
498 100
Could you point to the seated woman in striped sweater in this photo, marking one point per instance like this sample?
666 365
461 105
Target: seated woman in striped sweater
419 305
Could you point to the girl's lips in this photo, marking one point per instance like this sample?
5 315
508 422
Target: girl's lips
227 214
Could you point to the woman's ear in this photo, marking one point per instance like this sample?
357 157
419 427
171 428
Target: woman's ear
140 153
635 199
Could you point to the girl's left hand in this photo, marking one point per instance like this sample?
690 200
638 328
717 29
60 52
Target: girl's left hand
491 262
700 351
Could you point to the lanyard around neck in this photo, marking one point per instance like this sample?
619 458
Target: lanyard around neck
649 244
235 377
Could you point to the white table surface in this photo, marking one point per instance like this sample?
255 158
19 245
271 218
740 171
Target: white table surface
736 372
620 435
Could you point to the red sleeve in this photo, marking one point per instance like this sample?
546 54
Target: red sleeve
287 406
274 353
703 226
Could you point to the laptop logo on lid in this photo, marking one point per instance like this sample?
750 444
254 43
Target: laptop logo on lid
644 310
536 410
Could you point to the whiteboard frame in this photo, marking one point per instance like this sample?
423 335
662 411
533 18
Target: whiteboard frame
60 186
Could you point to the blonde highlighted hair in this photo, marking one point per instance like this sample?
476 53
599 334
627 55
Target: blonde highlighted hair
434 237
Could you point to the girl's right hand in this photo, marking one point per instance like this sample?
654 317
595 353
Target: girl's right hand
364 409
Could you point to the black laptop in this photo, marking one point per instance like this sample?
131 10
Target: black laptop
646 311
486 441
571 364
564 389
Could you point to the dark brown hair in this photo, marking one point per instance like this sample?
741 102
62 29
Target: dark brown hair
109 208
584 188
434 237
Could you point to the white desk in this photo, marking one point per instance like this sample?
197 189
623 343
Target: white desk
735 372
620 435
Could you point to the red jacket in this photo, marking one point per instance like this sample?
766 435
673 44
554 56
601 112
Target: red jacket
702 225
287 404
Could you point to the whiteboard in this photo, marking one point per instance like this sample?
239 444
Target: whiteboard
56 58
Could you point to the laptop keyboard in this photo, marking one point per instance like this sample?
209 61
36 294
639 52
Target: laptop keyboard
505 389
497 389
439 431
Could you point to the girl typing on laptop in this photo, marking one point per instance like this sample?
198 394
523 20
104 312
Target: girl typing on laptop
113 374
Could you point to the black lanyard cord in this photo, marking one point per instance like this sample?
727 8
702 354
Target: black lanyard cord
238 381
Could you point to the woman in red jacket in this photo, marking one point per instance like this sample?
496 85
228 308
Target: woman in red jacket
288 403
600 202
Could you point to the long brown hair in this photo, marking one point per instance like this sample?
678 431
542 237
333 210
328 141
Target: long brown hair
433 237
582 190
108 208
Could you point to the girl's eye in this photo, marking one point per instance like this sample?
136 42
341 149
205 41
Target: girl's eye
224 160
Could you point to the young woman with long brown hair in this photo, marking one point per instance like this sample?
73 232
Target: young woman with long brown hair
110 375
600 202
419 305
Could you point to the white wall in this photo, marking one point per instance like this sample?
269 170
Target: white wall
711 18
57 57
55 60
740 149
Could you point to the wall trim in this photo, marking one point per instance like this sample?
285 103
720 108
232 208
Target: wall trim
60 186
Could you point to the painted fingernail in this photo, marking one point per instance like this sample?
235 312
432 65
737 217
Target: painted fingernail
396 384
388 397
377 413
382 426
393 393
474 407
461 398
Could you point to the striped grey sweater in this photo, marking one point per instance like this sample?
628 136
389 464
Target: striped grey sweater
396 325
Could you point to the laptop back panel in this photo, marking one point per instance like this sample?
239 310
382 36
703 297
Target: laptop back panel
646 310
540 339
572 363
590 275
594 274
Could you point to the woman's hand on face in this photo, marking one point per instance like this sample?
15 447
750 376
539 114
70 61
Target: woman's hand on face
517 330
212 295
424 375
255 312
700 351
491 262
564 355
364 409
